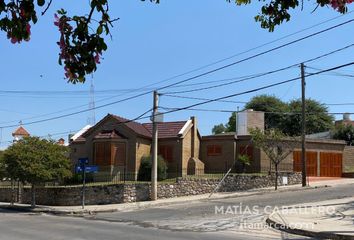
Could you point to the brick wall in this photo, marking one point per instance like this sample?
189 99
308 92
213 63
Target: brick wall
348 159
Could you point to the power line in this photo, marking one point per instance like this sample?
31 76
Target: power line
194 77
249 50
266 112
266 73
258 89
258 54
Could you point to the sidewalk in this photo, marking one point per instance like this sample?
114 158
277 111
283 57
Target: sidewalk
322 220
91 209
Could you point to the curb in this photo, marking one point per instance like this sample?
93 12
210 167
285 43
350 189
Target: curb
307 233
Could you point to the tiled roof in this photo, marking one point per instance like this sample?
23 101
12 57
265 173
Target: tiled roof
138 128
20 132
167 129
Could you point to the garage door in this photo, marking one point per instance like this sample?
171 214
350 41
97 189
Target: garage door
311 162
331 164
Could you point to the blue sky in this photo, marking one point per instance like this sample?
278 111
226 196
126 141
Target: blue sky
154 42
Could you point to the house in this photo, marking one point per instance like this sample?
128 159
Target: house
117 146
325 157
19 133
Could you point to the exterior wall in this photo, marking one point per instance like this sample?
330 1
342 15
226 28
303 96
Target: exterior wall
186 151
223 162
176 165
348 159
143 148
86 149
120 193
77 150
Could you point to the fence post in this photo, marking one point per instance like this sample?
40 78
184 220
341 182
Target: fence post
124 174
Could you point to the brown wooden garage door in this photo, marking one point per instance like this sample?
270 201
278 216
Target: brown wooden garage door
311 162
331 164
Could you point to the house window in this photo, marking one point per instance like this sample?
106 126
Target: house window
166 152
102 153
214 150
246 150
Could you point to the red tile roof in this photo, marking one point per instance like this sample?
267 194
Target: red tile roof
20 132
138 128
167 129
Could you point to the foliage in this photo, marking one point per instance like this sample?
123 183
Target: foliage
286 117
81 39
36 160
276 145
2 165
344 132
275 12
144 173
244 159
220 128
317 118
273 107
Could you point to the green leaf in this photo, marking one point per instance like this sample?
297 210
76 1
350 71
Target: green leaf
99 30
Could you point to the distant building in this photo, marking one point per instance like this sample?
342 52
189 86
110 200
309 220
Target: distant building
345 121
19 133
61 142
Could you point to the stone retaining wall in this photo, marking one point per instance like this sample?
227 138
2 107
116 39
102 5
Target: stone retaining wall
120 193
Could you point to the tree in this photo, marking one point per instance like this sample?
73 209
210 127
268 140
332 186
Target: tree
2 166
317 118
220 128
344 132
35 161
273 107
144 173
275 12
82 40
275 145
287 116
245 161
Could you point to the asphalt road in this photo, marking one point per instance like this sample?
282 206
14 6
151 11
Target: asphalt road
193 220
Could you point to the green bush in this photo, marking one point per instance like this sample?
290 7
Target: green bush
144 173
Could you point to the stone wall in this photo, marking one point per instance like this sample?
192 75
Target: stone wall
120 193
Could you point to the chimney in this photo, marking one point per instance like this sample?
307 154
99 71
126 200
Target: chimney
195 140
346 116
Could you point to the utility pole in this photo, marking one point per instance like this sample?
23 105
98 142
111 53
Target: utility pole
154 148
303 126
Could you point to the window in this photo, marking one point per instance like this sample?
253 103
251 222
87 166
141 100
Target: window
166 152
214 150
246 150
102 153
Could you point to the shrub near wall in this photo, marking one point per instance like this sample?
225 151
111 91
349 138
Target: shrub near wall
120 193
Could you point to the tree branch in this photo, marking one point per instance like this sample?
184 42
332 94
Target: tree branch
46 9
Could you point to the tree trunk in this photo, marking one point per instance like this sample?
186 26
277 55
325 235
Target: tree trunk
276 176
33 202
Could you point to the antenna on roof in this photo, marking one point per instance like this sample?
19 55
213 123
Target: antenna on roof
91 120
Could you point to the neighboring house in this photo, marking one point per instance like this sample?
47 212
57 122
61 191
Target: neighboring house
325 157
117 146
19 133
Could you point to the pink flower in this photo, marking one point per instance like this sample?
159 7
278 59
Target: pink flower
56 20
14 40
28 28
97 58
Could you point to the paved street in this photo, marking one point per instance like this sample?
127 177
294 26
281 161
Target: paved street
195 220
